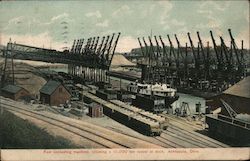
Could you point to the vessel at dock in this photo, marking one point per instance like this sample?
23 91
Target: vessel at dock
161 95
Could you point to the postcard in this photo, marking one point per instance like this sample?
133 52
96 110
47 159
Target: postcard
124 80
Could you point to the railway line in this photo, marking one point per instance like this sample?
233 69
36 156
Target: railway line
188 133
182 122
177 135
101 141
199 137
100 138
127 116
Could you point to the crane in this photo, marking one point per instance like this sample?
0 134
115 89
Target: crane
171 51
147 52
86 48
100 46
196 60
158 51
229 109
239 62
114 47
152 52
73 46
219 65
96 43
164 51
142 51
109 46
104 47
92 44
205 60
225 50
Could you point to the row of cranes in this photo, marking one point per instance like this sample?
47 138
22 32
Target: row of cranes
88 56
204 67
91 56
95 52
98 50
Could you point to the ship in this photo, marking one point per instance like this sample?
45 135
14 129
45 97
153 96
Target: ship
155 92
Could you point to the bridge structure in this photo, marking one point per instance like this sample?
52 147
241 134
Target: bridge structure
85 57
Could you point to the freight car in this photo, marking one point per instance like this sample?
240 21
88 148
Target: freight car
153 104
127 117
106 94
161 120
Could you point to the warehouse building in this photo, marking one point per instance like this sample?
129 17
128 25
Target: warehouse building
14 92
237 96
54 93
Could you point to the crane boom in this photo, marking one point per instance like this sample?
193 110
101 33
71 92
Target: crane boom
143 54
158 47
179 46
197 65
92 43
147 50
202 48
96 43
105 46
225 51
100 46
114 47
234 46
215 49
152 53
110 42
73 46
164 48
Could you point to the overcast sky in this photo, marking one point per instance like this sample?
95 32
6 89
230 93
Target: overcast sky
42 23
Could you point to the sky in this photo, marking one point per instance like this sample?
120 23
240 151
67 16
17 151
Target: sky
55 24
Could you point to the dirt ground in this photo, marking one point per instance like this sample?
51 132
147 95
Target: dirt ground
25 75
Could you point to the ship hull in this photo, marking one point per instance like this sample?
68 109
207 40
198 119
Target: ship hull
149 103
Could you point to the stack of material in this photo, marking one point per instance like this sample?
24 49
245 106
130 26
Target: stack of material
95 110
120 61
26 77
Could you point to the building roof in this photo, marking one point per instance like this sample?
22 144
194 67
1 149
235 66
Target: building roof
12 89
241 89
50 87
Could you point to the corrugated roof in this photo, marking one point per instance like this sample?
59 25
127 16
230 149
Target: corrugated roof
50 87
11 89
242 88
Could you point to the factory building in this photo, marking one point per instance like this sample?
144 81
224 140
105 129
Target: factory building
237 96
14 92
54 93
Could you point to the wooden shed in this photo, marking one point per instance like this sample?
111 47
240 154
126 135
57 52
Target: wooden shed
95 110
14 92
54 93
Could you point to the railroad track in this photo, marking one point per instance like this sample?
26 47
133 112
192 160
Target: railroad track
97 139
183 122
153 140
199 137
177 134
183 131
100 139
